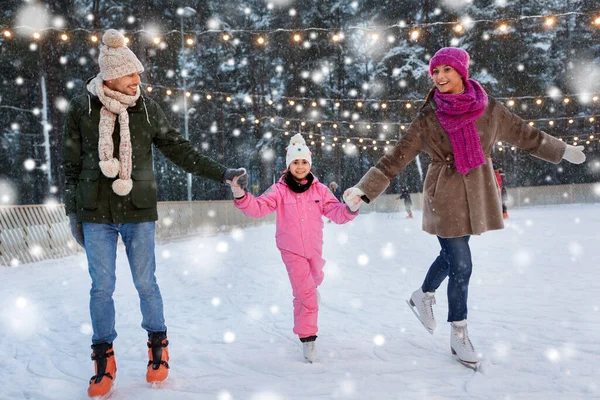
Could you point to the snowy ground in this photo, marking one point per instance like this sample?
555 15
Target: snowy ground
534 315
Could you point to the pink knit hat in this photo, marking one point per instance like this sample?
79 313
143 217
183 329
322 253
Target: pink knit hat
454 57
115 59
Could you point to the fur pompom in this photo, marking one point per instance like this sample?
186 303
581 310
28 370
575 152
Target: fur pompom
113 38
110 168
122 187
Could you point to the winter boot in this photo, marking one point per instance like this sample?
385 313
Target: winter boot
504 215
409 216
461 345
422 306
158 354
102 384
309 348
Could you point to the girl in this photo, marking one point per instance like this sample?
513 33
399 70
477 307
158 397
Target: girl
457 126
299 200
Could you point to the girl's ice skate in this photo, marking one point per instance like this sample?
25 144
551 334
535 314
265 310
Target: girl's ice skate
309 349
461 345
421 305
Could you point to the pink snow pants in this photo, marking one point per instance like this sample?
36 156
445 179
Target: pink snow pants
305 275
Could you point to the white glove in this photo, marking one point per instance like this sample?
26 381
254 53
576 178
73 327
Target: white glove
352 198
574 154
237 190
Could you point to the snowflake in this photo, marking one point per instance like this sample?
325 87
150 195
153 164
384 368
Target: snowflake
222 247
29 164
229 337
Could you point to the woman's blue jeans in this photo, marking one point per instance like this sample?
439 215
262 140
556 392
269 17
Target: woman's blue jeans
101 249
455 263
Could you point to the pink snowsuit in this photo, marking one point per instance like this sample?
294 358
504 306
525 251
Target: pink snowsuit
299 238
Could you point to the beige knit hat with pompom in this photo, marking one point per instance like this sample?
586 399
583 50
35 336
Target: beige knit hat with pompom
115 59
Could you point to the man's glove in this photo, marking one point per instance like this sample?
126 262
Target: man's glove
76 229
574 154
240 173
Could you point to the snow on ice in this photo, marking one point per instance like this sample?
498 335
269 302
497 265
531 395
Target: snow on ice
534 317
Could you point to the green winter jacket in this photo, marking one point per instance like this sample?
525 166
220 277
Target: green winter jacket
89 193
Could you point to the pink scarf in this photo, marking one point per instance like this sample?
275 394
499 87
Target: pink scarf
457 114
114 105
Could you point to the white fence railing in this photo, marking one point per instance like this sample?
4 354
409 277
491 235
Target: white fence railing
35 233
516 197
38 232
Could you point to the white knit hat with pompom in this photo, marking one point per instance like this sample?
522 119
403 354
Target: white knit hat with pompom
115 59
297 150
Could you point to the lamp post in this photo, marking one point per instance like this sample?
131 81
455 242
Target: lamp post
185 12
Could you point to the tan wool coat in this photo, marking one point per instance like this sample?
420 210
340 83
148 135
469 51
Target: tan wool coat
456 205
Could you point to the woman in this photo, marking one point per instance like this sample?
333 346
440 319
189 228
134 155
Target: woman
457 126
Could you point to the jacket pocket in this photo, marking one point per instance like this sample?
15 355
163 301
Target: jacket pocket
143 193
315 209
88 188
432 182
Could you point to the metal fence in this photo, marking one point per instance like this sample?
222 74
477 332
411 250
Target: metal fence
40 232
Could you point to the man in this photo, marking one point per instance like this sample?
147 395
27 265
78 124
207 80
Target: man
110 190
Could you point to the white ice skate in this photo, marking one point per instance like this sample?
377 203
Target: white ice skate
309 349
461 345
421 305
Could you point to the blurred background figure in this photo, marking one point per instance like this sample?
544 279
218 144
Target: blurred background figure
405 195
336 190
499 172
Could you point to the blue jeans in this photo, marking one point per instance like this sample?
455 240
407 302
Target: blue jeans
454 262
101 250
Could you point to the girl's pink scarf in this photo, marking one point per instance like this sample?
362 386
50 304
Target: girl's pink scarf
457 114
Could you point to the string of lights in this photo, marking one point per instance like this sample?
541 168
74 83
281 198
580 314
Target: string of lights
329 142
359 102
354 125
502 25
260 37
385 125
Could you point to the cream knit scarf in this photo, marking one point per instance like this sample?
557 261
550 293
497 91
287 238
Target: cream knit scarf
114 104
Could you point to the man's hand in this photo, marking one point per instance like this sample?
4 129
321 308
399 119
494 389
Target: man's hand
240 174
76 229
